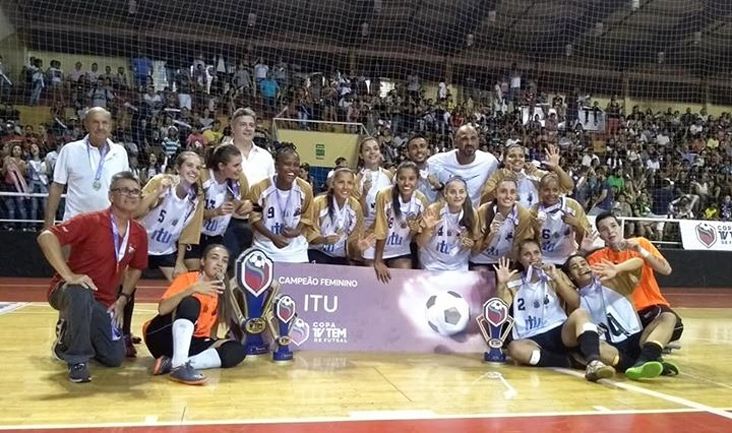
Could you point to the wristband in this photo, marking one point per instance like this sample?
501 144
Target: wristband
127 297
644 253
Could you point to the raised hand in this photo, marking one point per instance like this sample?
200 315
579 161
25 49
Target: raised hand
413 224
503 270
208 288
430 218
605 269
588 241
367 242
552 157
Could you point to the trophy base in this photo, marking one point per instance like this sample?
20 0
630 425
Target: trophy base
282 359
256 350
497 358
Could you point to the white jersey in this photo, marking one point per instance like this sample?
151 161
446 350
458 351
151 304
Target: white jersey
165 222
526 190
283 209
343 223
379 181
444 251
445 165
395 230
536 307
557 237
424 185
610 311
215 195
502 243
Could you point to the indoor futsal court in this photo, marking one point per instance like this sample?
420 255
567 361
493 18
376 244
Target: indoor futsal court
361 392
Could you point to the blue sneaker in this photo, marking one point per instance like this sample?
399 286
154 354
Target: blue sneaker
79 373
188 375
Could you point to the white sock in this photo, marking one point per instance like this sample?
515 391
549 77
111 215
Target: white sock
535 357
182 334
209 358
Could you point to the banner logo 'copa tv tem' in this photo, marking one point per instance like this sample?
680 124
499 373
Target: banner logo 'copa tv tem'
328 332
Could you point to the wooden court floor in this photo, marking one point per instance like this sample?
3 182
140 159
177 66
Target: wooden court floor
360 392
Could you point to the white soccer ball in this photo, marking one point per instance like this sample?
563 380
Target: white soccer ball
447 313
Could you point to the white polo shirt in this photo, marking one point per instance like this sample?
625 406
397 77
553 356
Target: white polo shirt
258 166
76 168
445 165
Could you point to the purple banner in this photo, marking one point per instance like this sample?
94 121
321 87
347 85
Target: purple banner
348 309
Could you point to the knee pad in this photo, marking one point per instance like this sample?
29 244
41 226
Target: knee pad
231 354
189 308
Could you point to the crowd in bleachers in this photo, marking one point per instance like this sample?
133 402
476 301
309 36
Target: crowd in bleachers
643 164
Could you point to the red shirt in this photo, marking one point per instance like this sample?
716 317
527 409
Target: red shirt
92 251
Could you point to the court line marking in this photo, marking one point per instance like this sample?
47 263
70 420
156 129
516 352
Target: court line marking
656 394
12 307
704 379
355 417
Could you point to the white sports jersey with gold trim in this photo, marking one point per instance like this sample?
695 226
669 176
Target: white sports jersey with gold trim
612 312
536 307
281 209
444 251
166 222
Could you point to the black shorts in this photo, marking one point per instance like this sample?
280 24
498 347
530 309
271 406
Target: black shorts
317 256
629 350
649 314
158 336
196 251
164 261
551 340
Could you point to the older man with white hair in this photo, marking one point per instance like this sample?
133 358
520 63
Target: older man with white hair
85 167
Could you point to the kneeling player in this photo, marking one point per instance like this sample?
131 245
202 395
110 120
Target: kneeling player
182 337
604 291
653 308
542 332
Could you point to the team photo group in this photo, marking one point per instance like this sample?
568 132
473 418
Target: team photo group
574 303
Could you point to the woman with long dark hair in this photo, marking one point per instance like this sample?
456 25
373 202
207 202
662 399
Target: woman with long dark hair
183 336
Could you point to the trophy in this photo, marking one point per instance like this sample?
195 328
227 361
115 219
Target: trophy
254 274
280 320
495 323
262 308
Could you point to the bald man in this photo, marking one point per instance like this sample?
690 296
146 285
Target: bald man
86 168
466 161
